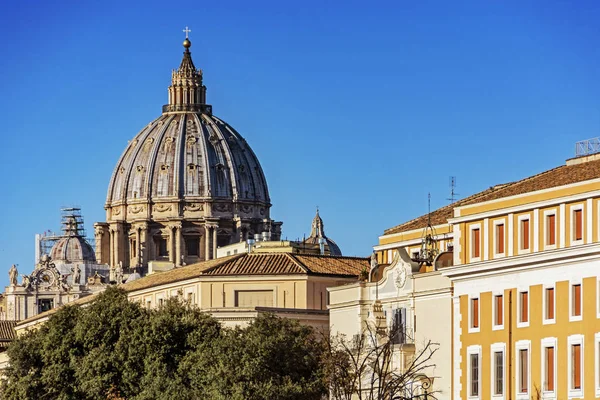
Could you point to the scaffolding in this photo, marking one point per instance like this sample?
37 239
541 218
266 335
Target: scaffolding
71 225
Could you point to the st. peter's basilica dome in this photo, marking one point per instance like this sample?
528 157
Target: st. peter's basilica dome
185 184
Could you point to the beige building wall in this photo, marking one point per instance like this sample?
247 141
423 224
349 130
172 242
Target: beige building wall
427 298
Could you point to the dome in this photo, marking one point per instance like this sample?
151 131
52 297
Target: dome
186 184
72 249
72 246
187 154
317 233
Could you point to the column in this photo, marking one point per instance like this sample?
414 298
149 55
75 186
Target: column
98 233
112 248
138 245
214 254
206 242
144 254
178 245
172 244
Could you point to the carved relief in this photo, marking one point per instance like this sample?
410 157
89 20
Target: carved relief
136 209
193 207
246 208
222 207
162 207
262 211
148 144
116 211
168 144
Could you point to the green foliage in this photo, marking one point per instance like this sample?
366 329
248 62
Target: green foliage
115 349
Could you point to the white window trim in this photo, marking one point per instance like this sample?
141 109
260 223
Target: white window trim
572 210
523 345
475 349
548 213
519 323
573 318
471 229
548 321
548 342
495 239
471 329
596 363
520 219
572 340
495 310
494 348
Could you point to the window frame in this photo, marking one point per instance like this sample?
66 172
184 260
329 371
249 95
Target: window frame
474 350
545 343
547 214
497 327
522 345
520 323
473 329
472 228
572 284
545 320
495 225
520 234
497 348
573 340
572 210
597 363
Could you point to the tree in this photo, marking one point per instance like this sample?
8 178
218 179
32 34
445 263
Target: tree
379 363
116 349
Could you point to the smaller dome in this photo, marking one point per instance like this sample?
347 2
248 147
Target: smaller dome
133 277
317 232
72 249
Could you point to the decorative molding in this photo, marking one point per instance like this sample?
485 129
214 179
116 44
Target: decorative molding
162 207
136 209
193 207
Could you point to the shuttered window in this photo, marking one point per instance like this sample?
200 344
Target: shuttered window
500 239
576 366
498 372
550 303
578 224
523 371
576 300
551 230
549 369
524 307
476 243
474 361
499 311
474 313
254 298
525 234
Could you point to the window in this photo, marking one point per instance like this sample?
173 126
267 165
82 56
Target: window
160 302
551 230
190 297
498 371
548 364
498 310
161 246
549 304
577 224
499 239
522 369
45 305
475 243
575 365
474 375
524 245
475 313
133 247
576 300
524 307
399 326
192 246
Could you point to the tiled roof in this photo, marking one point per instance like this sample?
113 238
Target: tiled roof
7 332
560 176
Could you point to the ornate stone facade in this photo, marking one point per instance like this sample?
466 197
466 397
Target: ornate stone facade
185 185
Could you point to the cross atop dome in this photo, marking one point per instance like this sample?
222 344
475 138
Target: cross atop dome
187 31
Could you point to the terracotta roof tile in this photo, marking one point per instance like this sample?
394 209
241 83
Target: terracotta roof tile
7 332
333 265
559 176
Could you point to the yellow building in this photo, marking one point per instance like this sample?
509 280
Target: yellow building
525 276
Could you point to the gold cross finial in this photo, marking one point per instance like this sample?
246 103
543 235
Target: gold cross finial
187 31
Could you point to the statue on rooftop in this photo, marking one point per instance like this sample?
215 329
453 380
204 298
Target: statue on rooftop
13 274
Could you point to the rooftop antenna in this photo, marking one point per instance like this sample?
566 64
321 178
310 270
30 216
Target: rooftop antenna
453 193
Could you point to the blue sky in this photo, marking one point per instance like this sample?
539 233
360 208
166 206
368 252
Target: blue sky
361 108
